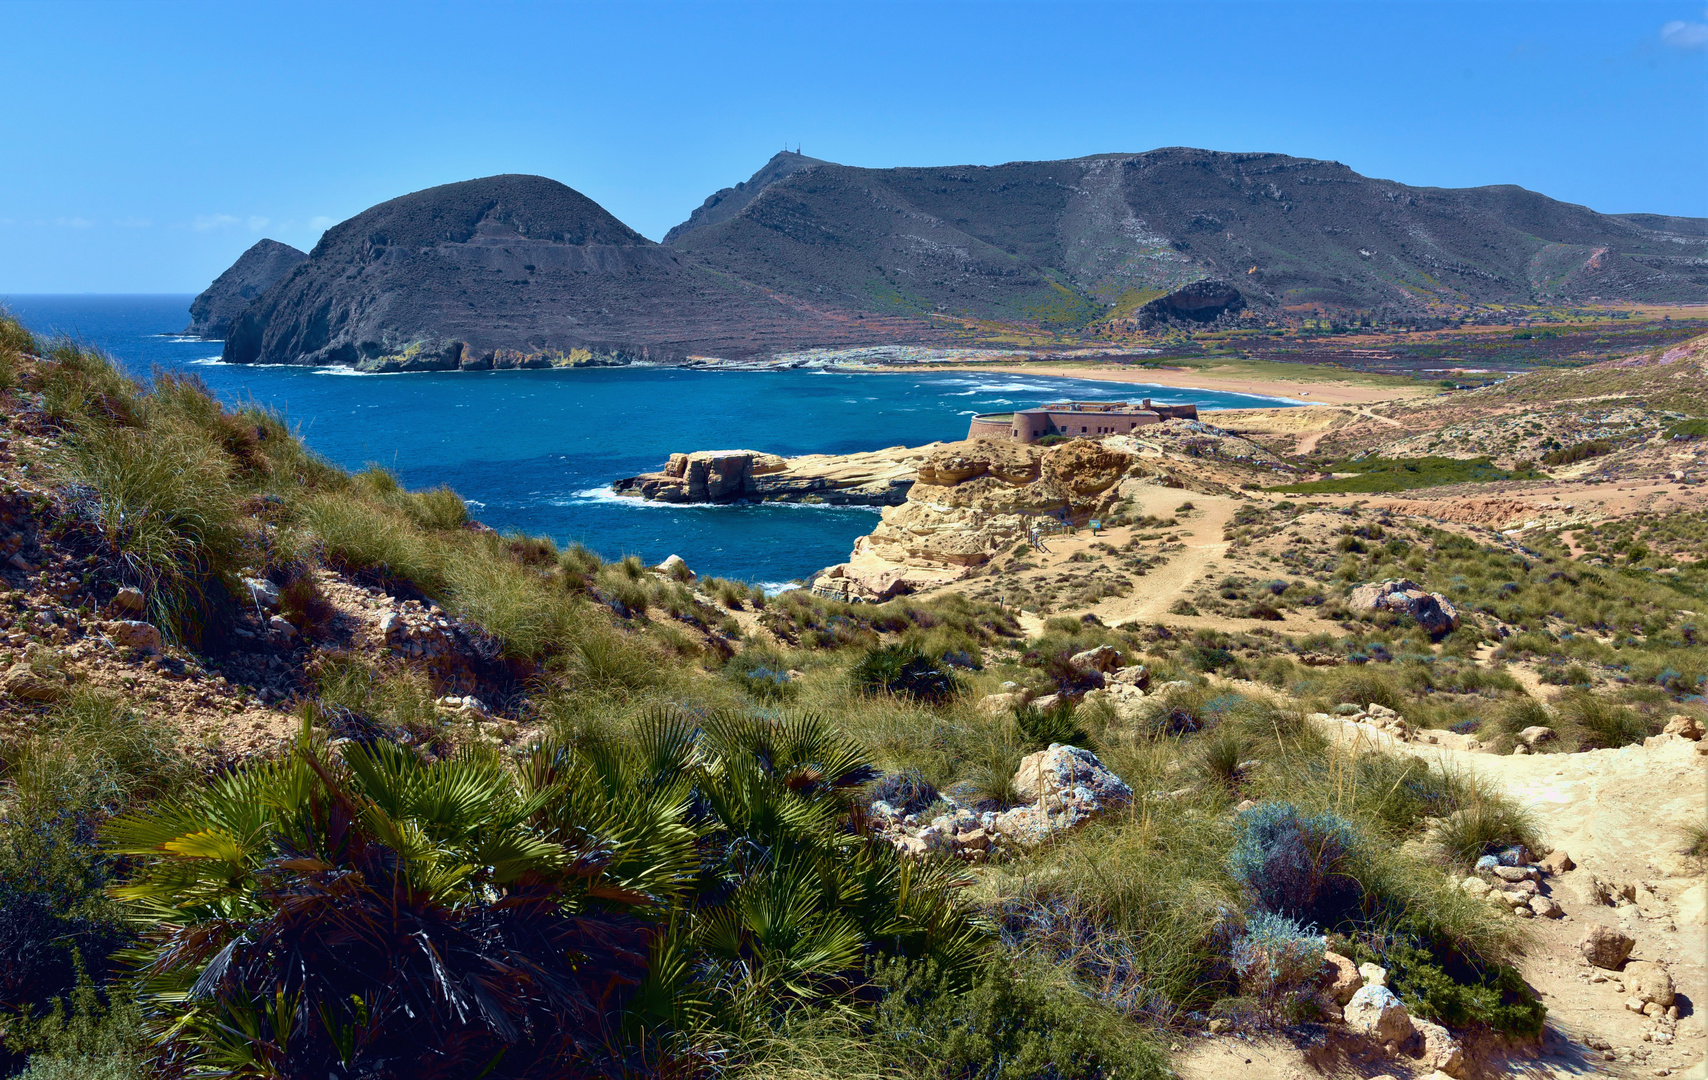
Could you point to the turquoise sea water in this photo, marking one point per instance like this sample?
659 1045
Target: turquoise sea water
535 450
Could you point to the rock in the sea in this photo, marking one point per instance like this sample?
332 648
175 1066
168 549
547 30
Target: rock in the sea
1376 1012
1432 611
254 272
1606 947
133 634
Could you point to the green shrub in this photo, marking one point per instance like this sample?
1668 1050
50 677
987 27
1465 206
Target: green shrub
1277 960
1438 982
1009 1025
1041 727
763 673
904 671
1296 865
1483 821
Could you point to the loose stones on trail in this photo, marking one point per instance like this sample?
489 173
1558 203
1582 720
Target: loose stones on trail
1606 947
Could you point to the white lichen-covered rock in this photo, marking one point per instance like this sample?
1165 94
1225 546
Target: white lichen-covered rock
1064 787
1376 1012
1136 675
1069 776
1432 611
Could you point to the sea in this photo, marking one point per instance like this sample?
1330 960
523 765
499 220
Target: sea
536 451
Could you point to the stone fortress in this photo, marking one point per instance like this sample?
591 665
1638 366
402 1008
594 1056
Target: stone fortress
1072 418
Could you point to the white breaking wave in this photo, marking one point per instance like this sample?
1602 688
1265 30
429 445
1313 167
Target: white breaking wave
606 495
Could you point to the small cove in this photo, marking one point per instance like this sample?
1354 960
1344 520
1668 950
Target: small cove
534 450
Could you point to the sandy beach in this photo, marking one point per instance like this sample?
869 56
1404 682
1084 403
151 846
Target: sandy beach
1314 389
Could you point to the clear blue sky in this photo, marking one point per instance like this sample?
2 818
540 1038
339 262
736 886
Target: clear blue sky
149 143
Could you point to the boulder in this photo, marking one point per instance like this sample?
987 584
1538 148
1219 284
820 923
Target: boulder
129 599
1127 701
1439 1049
1103 659
1067 776
1687 727
22 681
1432 611
675 567
1376 1012
1340 978
1066 786
1649 982
281 626
133 634
261 592
1136 675
1605 947
1373 974
1002 704
1530 736
1557 862
1547 907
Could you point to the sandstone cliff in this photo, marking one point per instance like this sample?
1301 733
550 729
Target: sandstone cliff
873 478
973 499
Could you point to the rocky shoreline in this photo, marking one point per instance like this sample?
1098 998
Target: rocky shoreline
873 478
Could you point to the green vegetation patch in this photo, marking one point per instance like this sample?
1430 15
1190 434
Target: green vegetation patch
1375 474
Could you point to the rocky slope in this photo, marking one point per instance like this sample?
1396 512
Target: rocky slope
514 271
254 272
1064 242
975 498
872 478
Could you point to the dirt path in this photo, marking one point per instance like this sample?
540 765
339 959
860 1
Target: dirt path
1620 815
1157 591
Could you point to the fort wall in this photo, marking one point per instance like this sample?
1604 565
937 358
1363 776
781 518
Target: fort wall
1071 419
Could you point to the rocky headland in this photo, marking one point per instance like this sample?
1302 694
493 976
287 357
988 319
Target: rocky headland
870 478
254 272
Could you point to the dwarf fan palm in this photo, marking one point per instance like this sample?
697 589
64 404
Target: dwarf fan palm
378 916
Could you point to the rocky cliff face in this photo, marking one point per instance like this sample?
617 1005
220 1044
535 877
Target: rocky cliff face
513 271
875 478
253 273
974 499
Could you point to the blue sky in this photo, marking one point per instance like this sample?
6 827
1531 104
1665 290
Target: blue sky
150 143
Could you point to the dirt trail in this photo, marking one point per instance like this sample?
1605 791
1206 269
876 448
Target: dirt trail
1620 815
1159 588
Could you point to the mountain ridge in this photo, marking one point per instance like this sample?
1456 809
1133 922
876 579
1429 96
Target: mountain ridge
519 270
